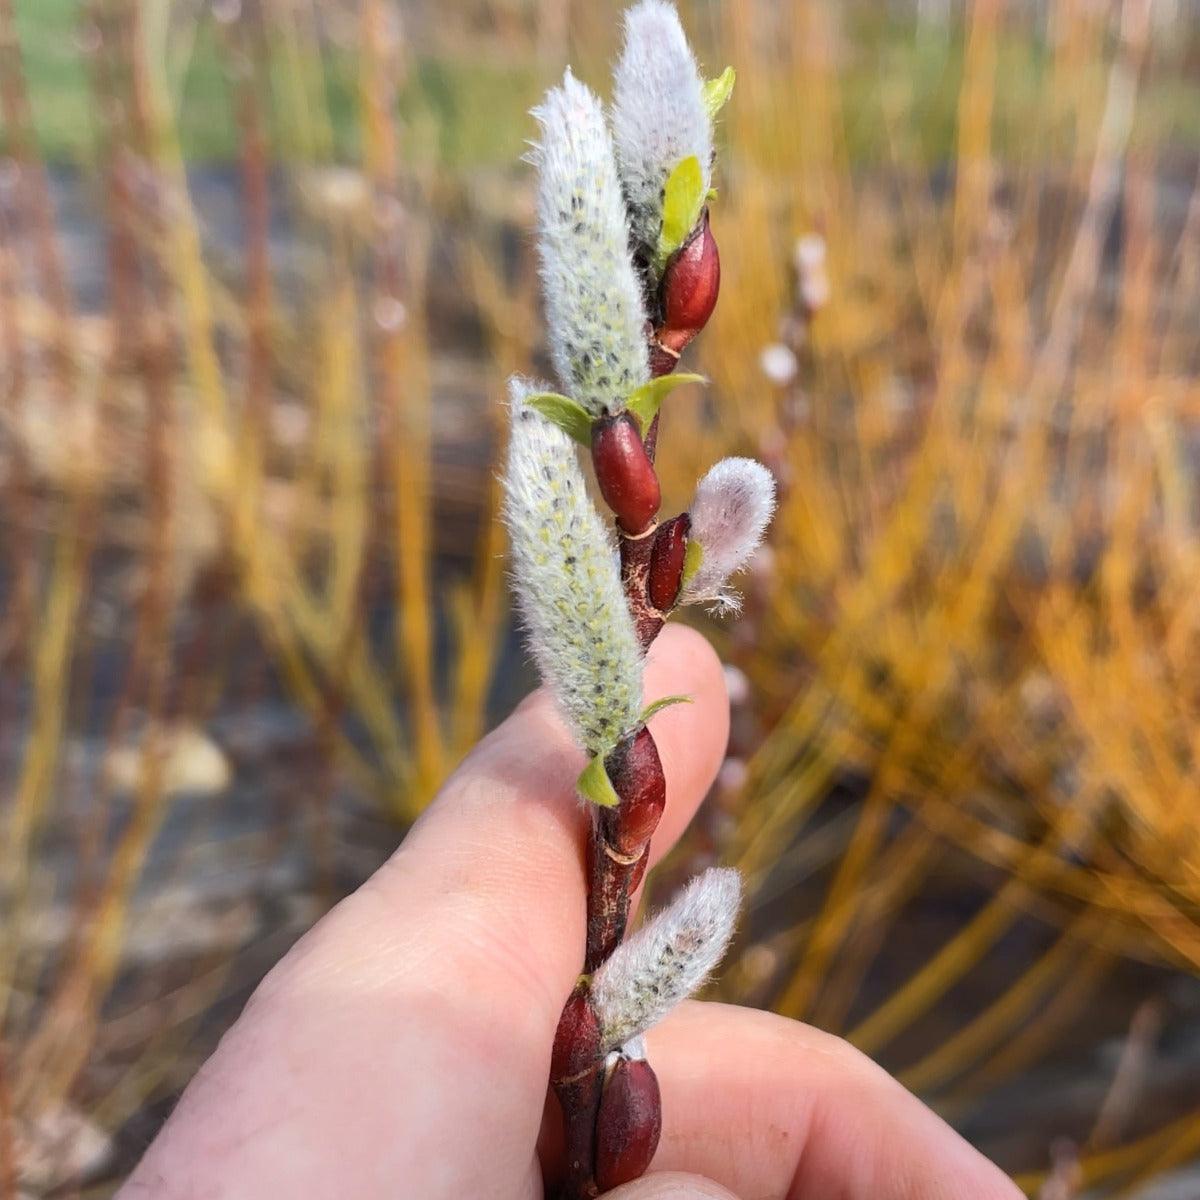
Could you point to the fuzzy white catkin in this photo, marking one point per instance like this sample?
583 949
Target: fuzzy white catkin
566 577
594 307
668 959
658 113
730 511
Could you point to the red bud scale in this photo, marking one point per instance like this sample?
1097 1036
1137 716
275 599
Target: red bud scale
618 852
624 471
666 562
577 1039
629 1124
637 777
576 1075
689 289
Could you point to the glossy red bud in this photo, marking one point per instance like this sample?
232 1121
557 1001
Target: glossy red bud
577 1039
624 471
637 777
689 289
666 562
629 1124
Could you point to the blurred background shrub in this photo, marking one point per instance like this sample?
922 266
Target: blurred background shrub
264 266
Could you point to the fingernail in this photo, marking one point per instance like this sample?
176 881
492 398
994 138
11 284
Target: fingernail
671 1187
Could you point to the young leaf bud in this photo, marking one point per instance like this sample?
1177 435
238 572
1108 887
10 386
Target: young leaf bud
666 562
624 472
689 290
567 581
577 1039
729 512
667 959
629 1124
637 776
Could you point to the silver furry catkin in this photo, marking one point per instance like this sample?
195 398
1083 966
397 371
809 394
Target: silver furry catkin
567 581
658 112
668 959
594 308
730 511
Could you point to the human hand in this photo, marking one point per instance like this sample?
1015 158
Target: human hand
402 1047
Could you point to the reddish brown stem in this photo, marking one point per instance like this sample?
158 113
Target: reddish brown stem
619 841
635 576
609 888
618 848
580 1102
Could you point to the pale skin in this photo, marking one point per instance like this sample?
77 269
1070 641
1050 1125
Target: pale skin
402 1048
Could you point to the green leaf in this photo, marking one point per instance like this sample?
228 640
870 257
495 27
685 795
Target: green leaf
683 201
594 784
717 91
646 400
693 556
569 415
659 705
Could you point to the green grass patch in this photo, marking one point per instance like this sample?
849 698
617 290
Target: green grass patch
467 113
455 112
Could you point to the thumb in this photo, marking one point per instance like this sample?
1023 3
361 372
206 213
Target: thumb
671 1186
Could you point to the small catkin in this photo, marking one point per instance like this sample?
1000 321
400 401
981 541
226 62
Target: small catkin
730 512
658 113
566 577
668 959
594 307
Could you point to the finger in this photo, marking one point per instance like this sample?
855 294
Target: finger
424 1005
777 1110
672 1186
